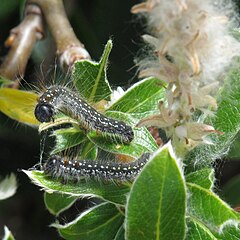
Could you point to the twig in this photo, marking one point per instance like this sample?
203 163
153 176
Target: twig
23 37
21 40
69 48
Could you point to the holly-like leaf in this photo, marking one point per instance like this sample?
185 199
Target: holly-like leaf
100 222
157 202
90 77
18 105
108 191
58 202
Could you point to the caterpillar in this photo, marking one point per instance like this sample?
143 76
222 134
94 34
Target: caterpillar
65 169
58 98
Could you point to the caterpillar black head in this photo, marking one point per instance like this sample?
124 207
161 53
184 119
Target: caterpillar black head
44 112
61 99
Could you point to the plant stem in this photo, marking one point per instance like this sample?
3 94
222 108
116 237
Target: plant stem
23 37
21 40
69 48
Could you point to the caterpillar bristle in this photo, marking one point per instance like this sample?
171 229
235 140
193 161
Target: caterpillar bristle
62 99
75 170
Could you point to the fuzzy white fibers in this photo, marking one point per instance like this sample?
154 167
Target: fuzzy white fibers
192 48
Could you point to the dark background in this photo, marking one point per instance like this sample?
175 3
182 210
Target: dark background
94 22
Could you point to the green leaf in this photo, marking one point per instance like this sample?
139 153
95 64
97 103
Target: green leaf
157 202
58 202
7 234
107 191
67 138
120 234
234 152
203 178
226 120
208 208
100 222
90 77
88 151
230 232
126 117
231 191
143 142
198 231
207 213
18 105
141 100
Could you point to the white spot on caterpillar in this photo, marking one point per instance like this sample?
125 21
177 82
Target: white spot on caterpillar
55 167
62 99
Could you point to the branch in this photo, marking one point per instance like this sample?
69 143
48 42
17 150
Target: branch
23 37
21 40
69 48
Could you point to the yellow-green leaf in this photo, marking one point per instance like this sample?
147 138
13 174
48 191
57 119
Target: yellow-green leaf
18 105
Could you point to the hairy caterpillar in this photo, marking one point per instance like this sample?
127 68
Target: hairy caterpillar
60 167
62 99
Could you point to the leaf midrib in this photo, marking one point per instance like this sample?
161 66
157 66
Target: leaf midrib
160 206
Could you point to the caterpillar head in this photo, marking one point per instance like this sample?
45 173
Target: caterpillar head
44 112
